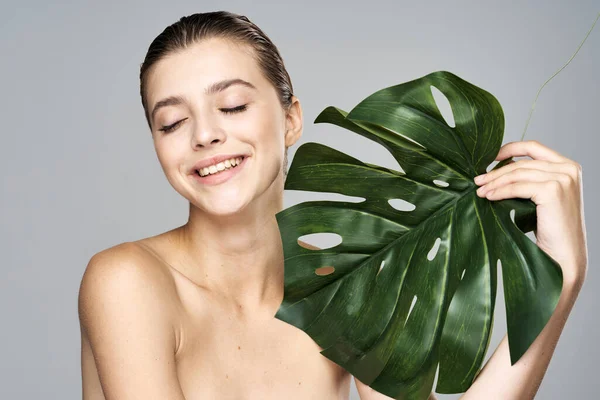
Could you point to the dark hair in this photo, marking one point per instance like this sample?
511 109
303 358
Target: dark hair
226 25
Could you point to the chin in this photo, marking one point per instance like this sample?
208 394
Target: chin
225 209
221 205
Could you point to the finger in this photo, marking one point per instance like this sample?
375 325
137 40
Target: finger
518 175
541 165
538 192
531 148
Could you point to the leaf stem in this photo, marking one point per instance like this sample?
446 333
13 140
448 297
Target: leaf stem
556 73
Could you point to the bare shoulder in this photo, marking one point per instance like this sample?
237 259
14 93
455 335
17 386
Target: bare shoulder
126 275
126 319
125 270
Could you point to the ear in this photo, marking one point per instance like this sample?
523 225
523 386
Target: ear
293 123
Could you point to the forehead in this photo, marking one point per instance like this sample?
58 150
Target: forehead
193 69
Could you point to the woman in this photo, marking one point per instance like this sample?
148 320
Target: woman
190 313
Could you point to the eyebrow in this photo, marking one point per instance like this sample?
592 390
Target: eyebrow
210 90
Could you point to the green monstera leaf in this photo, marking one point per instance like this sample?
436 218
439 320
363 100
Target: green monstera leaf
413 289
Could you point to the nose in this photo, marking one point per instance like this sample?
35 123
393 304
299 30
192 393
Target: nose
206 134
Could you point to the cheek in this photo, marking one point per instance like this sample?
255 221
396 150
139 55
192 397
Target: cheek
271 132
265 134
164 158
262 129
274 141
167 155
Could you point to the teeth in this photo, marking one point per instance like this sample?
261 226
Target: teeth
213 169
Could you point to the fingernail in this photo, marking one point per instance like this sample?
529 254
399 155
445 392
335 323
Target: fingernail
479 178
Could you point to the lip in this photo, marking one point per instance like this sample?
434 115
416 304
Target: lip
221 176
214 160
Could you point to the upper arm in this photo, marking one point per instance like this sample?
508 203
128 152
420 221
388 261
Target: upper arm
367 393
126 318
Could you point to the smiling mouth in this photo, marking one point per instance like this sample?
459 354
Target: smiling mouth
214 169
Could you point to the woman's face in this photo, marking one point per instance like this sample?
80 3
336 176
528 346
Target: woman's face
257 127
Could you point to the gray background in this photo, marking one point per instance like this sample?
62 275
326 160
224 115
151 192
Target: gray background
79 173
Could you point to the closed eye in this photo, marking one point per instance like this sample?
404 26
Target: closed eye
170 128
234 109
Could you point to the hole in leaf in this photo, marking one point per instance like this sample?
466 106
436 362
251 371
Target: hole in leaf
324 271
435 379
320 240
441 183
463 274
512 215
433 252
491 166
293 197
412 305
442 103
401 205
494 163
360 147
380 267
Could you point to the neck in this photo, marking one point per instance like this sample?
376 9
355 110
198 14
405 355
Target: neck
240 256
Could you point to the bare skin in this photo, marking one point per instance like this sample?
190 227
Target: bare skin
221 350
190 313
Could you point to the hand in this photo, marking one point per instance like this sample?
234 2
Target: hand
554 183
